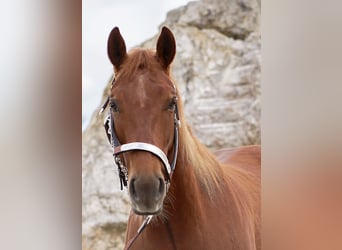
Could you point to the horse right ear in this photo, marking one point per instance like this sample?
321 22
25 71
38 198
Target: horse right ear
166 47
116 48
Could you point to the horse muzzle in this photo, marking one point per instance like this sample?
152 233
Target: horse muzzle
147 194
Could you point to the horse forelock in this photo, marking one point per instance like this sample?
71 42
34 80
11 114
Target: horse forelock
139 60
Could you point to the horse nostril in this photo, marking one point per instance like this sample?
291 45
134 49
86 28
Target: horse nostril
132 188
161 186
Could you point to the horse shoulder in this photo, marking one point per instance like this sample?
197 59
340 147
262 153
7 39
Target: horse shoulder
248 160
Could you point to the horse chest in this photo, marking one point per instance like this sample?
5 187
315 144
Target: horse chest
185 236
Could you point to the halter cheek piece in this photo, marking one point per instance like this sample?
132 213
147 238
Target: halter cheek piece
119 148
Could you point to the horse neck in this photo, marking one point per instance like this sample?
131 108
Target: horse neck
194 201
183 204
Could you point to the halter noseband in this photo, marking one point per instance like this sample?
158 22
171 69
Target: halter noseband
138 146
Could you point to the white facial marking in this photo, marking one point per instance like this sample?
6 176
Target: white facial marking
141 91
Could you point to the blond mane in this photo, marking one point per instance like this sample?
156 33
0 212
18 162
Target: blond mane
205 165
209 171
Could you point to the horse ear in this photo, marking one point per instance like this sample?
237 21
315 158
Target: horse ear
166 47
116 48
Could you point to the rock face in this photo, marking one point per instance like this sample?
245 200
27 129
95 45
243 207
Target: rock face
217 69
233 18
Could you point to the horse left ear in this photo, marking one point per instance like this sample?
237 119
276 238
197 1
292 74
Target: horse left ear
116 48
166 47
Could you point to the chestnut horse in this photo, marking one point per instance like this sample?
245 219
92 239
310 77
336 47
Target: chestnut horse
199 200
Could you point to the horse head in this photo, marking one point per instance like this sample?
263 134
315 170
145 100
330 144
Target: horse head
143 104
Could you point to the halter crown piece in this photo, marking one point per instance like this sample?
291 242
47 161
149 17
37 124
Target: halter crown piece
119 148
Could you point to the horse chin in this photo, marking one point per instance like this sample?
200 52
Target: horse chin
139 211
147 213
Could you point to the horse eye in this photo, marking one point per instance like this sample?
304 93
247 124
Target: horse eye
172 104
114 106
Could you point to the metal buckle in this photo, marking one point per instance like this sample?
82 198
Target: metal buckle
123 172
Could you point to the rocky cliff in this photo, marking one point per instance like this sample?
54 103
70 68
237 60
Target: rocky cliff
217 69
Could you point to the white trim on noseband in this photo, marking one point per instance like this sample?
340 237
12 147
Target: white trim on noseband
145 147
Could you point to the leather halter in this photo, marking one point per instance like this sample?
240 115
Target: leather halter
119 148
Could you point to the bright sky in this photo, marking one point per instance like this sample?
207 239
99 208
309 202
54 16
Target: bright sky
137 20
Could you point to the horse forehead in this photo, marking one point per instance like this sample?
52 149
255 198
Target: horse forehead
141 90
145 88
